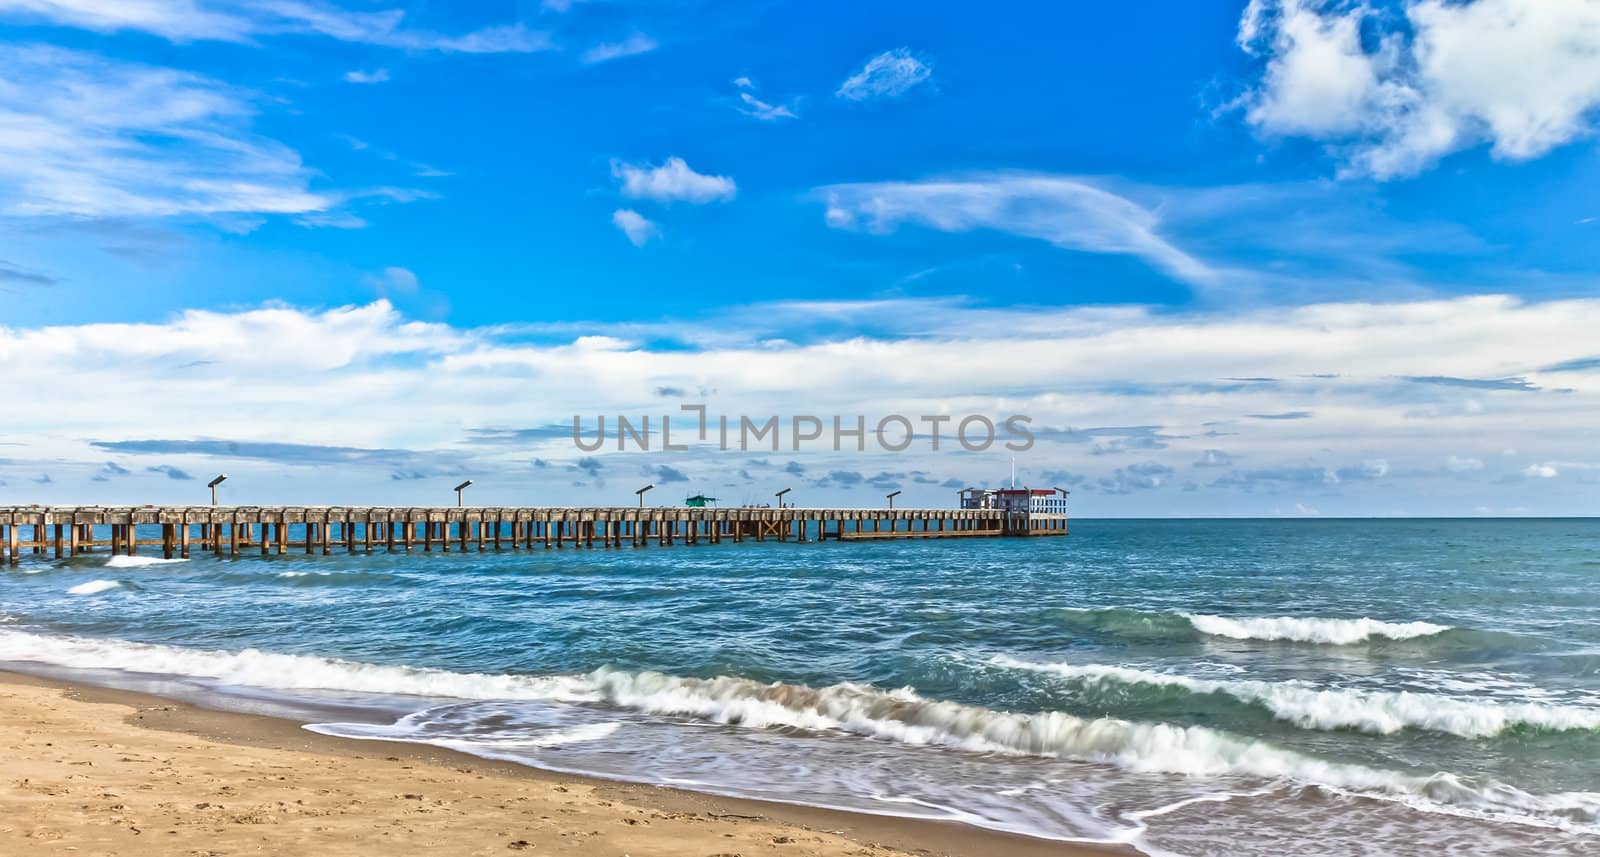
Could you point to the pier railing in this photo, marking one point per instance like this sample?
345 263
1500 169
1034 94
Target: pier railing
179 531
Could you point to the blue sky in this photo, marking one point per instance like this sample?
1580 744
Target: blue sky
379 232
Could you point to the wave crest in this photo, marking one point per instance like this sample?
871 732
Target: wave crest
1376 712
123 561
900 715
93 587
1336 632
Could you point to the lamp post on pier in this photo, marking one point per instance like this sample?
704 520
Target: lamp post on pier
641 491
892 495
780 496
213 486
460 488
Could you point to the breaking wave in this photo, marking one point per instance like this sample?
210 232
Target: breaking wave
1336 632
901 716
93 587
123 561
1373 711
255 668
1154 625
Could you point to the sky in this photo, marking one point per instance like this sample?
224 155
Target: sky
1265 258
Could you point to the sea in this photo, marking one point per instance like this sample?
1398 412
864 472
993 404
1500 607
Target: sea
1184 687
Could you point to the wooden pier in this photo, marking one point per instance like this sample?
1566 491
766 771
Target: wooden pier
181 531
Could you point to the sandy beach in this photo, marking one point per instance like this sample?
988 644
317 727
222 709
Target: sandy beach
104 772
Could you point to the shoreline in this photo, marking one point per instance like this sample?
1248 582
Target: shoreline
197 743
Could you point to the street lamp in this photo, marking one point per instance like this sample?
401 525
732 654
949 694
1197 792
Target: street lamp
892 495
213 486
641 491
459 489
780 496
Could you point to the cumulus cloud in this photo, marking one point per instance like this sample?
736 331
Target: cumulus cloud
638 43
636 226
671 181
1391 97
1069 212
368 366
890 74
84 136
242 20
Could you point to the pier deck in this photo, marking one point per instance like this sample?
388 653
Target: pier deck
179 531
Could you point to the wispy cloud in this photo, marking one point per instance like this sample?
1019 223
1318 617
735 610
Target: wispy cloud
672 181
1391 94
377 75
636 226
890 74
17 276
1522 384
636 44
85 136
243 20
1069 212
287 453
750 105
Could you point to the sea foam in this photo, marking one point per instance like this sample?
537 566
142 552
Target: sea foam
901 716
123 561
93 587
1337 632
1309 707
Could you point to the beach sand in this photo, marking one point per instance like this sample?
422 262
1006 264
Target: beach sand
90 771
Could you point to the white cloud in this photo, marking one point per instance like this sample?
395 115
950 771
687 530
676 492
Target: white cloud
1066 211
85 136
377 75
887 75
240 20
178 20
1460 464
1541 471
636 226
1392 98
395 280
638 43
367 366
673 180
750 105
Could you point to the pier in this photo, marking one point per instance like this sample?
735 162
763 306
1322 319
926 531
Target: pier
231 531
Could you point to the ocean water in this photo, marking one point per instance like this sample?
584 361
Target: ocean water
1188 687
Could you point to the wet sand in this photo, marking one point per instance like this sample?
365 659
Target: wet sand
92 771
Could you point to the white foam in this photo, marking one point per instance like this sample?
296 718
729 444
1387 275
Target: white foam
255 668
1337 632
581 734
899 715
122 561
1378 712
93 587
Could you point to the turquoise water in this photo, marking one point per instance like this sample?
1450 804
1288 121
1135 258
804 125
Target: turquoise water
1340 686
